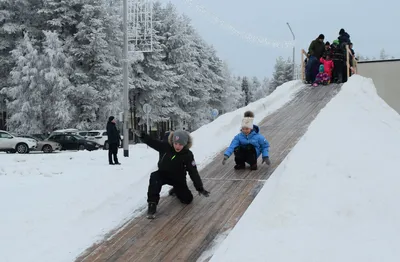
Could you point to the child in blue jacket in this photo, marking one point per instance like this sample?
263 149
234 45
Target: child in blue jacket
248 145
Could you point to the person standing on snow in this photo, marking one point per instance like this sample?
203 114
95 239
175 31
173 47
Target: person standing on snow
248 145
113 141
176 160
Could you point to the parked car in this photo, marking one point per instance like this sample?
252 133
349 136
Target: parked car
74 142
100 137
83 133
39 137
11 144
44 145
71 131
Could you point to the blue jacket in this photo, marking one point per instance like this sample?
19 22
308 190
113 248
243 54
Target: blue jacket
254 138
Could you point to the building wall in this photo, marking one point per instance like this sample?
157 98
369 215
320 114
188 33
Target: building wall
386 77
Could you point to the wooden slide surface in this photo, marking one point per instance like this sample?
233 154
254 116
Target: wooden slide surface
183 233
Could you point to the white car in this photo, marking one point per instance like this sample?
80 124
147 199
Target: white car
100 137
12 144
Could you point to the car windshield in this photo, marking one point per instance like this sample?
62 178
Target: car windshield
93 133
78 136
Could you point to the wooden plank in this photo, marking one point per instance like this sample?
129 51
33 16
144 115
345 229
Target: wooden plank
183 233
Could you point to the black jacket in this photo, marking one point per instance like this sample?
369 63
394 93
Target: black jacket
344 38
112 133
174 164
337 53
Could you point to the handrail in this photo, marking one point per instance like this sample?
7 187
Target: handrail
354 67
303 64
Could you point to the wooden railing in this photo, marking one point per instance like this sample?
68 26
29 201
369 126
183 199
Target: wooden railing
348 55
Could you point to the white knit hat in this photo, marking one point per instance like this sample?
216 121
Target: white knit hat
248 122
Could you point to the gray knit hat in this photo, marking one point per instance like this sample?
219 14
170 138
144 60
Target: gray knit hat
181 137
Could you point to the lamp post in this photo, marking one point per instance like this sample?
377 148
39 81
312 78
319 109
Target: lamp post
125 75
294 39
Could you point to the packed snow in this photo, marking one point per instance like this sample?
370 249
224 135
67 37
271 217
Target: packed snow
54 206
335 197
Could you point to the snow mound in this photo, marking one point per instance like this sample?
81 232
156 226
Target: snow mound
335 197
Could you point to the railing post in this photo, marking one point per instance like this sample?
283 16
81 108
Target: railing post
302 65
347 62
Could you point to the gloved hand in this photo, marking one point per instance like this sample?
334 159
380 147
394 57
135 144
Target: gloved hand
225 158
266 161
204 193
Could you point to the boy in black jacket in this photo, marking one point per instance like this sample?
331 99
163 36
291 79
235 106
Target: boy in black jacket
176 160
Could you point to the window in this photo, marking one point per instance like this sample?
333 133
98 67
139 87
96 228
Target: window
105 133
5 135
93 133
70 138
56 138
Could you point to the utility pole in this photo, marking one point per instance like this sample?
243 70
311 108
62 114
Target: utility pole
294 39
125 75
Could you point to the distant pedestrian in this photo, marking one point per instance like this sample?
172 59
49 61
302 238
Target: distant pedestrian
113 141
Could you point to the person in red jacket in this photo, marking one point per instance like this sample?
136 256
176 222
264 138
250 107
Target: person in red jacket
328 65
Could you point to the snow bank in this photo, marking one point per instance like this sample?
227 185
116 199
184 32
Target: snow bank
54 206
335 197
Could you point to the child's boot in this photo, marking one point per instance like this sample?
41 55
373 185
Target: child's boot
151 211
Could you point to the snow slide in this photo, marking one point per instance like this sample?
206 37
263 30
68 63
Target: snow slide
335 196
54 206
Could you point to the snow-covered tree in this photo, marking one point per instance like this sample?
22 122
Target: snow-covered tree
255 90
383 55
38 96
231 97
97 55
246 90
26 94
263 89
55 73
282 73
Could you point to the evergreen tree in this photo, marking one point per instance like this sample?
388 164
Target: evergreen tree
246 90
383 55
255 91
98 76
282 73
26 93
231 96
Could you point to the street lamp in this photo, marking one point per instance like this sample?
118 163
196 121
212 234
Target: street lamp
294 39
137 14
125 75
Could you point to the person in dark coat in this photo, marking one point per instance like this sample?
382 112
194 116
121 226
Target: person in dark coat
316 50
344 38
176 160
339 61
113 141
327 50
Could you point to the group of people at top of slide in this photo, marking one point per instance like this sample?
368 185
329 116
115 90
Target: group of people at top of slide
326 62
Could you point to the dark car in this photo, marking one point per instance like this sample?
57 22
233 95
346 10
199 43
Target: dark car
74 142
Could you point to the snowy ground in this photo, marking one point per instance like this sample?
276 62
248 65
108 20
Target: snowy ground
335 197
54 206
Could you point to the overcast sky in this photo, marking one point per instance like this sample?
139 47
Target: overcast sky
372 25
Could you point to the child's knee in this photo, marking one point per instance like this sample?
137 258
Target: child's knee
185 198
